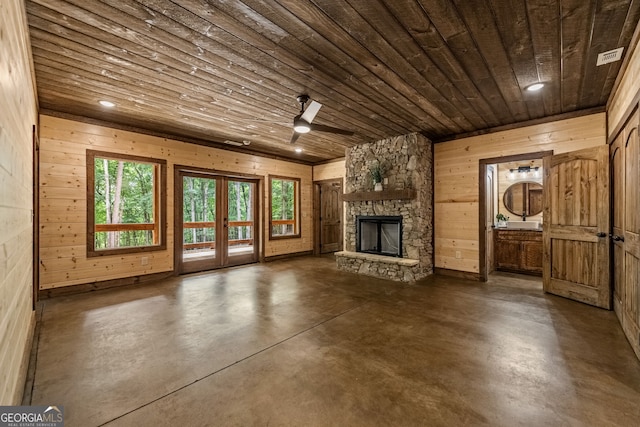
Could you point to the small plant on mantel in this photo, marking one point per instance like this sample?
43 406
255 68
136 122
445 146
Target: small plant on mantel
376 172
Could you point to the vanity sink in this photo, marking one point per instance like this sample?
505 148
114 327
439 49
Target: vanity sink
527 225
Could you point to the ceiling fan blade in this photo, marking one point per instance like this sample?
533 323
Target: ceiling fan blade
329 129
294 137
311 111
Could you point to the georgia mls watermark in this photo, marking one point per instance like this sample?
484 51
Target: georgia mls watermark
31 416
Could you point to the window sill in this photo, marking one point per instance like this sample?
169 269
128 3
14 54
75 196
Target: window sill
285 237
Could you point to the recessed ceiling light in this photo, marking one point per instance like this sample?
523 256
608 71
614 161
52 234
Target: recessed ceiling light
230 142
298 150
535 87
106 103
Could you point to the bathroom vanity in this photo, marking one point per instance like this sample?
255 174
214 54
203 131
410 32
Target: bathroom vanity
518 250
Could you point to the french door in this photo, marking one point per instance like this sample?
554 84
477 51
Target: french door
216 220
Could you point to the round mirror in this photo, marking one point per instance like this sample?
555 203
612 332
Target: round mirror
524 198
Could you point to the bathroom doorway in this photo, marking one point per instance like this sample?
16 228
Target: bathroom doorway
507 188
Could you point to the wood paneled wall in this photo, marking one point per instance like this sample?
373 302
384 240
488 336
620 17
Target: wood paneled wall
330 170
457 170
18 114
623 97
63 198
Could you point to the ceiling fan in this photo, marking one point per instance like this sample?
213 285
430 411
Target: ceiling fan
302 122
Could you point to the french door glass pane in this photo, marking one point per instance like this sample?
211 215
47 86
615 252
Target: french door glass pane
199 218
241 222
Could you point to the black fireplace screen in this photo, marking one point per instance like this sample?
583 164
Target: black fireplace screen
381 235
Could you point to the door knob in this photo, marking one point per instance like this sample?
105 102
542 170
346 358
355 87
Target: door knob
617 238
601 234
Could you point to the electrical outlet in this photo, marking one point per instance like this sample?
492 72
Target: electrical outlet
458 255
144 260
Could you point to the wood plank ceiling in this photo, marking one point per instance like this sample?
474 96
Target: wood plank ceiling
210 71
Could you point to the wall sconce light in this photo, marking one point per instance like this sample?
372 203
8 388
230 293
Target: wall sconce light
524 172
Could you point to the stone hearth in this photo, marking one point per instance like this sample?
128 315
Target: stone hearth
408 164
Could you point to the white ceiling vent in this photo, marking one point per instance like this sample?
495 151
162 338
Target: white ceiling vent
609 56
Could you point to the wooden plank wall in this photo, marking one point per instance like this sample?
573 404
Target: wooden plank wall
457 170
330 170
620 101
63 198
18 114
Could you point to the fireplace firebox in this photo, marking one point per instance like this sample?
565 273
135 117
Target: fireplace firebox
380 235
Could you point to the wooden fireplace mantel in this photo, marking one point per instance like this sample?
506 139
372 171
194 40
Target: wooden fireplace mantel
361 196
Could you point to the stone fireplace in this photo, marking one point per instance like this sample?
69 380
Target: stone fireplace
406 200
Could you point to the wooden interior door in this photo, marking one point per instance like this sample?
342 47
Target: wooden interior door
625 234
576 226
330 216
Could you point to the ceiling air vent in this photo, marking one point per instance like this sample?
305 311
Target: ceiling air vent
609 56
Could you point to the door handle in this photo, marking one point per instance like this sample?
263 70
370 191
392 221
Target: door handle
601 234
617 238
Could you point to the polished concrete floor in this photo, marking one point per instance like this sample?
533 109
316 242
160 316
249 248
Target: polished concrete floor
297 343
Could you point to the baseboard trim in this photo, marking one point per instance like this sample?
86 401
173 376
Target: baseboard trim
25 363
287 256
457 273
101 285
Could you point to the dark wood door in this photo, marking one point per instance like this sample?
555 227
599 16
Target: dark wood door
576 225
330 216
625 231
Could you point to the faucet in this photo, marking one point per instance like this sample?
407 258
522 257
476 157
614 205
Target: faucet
524 216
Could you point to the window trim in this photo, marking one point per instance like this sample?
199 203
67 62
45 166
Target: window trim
160 206
296 208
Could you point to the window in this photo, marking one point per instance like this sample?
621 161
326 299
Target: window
284 203
125 203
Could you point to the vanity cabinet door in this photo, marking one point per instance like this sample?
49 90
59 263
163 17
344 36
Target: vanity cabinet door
532 256
507 253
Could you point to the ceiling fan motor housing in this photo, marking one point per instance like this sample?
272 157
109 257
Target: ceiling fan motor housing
303 99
